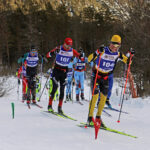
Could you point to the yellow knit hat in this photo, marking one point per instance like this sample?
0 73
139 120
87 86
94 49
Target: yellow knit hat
116 38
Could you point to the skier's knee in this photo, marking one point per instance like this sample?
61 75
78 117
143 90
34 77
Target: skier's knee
96 91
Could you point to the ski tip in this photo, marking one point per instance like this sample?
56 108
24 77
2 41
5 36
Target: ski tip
118 121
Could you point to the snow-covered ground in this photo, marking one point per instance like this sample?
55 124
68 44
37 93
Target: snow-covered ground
34 130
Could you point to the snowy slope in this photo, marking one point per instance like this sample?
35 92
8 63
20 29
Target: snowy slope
34 130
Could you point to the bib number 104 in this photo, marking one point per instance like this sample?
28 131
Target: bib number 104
108 64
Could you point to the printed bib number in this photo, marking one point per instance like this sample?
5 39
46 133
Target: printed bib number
108 64
64 59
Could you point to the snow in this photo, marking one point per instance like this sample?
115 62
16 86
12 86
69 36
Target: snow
34 130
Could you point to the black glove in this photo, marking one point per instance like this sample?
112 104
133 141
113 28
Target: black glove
132 51
101 49
18 81
57 50
81 55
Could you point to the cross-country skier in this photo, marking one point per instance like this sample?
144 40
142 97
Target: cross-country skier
69 80
63 53
22 74
32 64
105 59
79 74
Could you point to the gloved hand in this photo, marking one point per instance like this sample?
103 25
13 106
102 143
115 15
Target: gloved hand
19 81
81 57
57 50
101 49
132 51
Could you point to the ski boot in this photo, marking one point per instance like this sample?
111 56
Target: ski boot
50 109
60 110
82 96
90 121
34 101
98 119
67 98
28 101
77 97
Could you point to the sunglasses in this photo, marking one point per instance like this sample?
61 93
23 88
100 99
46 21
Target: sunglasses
116 44
33 52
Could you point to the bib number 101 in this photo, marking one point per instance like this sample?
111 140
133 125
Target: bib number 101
64 59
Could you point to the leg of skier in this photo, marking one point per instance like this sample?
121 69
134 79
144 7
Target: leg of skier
55 86
67 90
33 90
76 77
28 90
110 80
24 90
82 84
103 96
70 87
62 88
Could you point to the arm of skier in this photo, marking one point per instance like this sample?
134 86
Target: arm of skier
76 54
98 52
126 58
123 57
53 52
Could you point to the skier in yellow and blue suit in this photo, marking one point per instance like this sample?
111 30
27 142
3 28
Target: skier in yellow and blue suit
108 57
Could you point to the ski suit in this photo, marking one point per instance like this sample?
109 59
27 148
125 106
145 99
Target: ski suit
32 62
110 81
80 67
63 58
105 67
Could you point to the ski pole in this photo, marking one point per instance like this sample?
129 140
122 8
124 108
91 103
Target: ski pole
123 84
18 91
96 76
124 88
41 68
43 89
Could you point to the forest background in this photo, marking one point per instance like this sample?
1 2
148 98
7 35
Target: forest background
90 23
